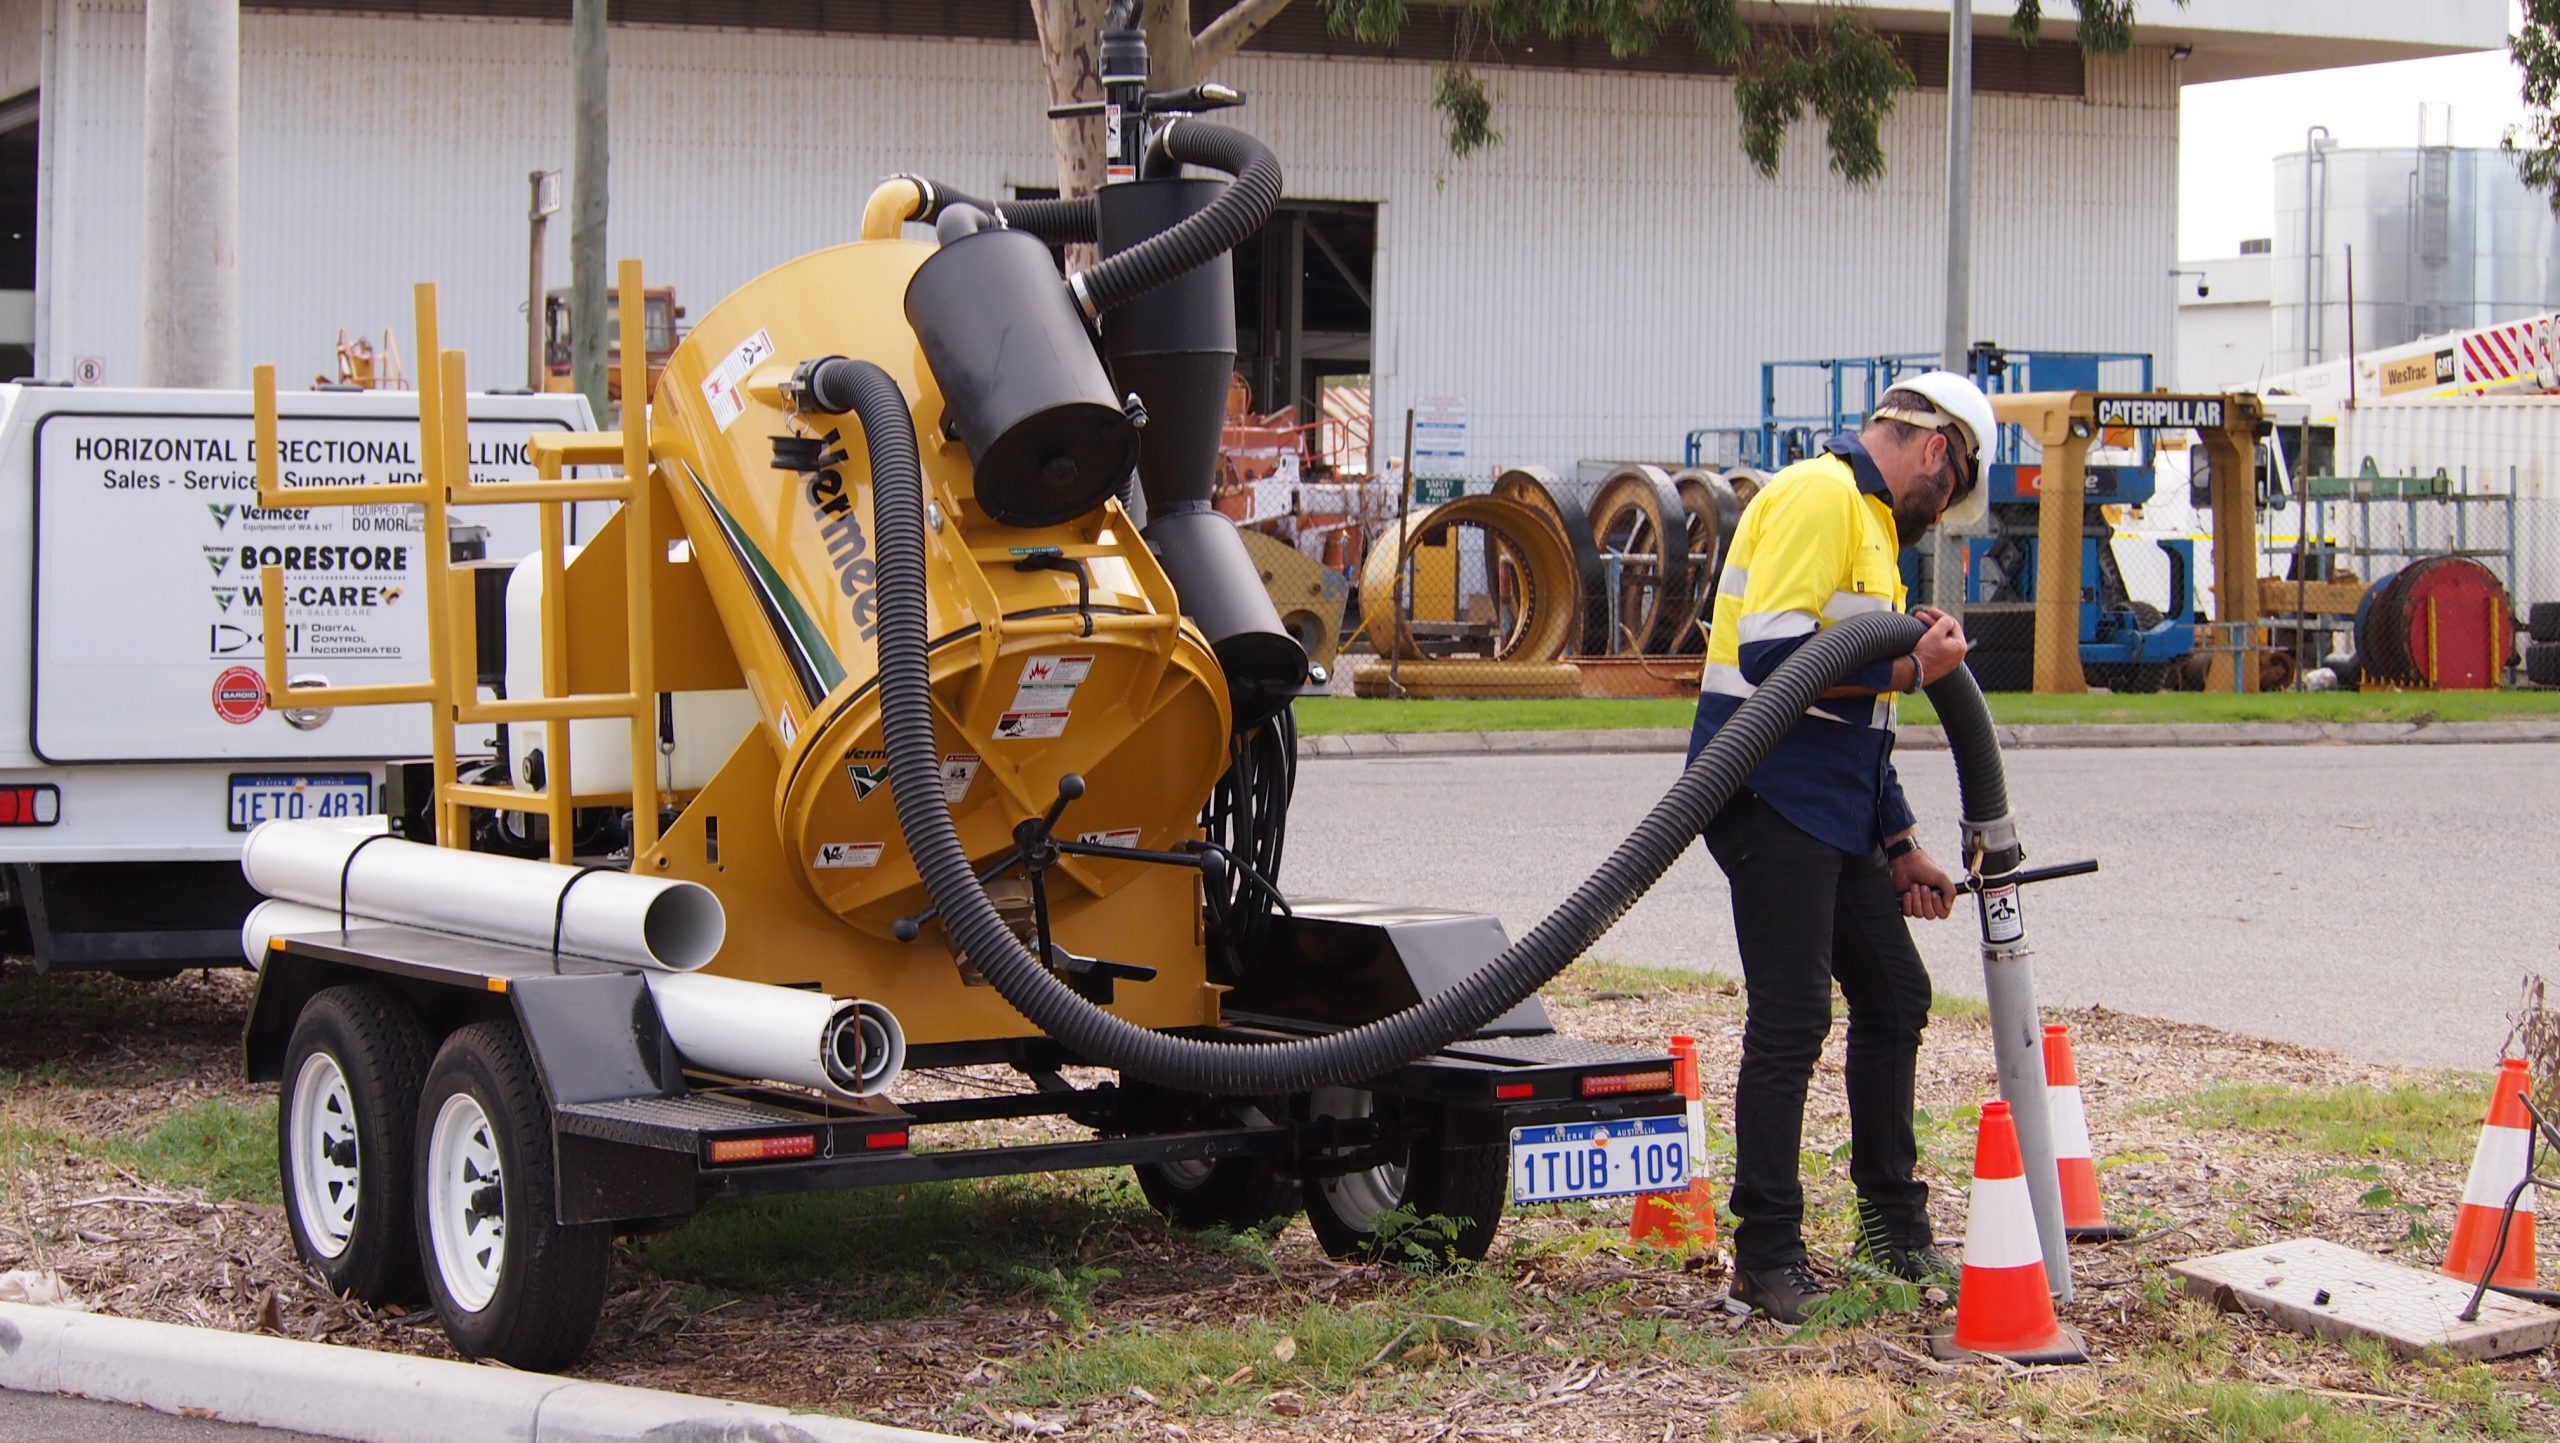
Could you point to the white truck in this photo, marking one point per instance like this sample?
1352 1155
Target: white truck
136 745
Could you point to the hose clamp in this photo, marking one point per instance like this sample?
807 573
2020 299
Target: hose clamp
1996 835
1084 299
928 200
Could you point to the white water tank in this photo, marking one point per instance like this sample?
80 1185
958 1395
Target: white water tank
708 725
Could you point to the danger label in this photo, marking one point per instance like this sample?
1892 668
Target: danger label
835 855
2001 919
724 388
1019 725
1065 671
1116 837
239 696
1043 698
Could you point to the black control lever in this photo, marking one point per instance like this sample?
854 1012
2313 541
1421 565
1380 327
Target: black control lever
2035 874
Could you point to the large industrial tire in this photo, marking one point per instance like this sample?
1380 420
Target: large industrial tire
2542 663
343 1121
1440 1205
2543 621
510 1281
1242 1194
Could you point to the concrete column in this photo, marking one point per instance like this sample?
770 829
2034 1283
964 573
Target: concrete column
191 194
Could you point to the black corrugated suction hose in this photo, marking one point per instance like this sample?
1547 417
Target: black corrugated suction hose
1262 1069
1223 224
1059 222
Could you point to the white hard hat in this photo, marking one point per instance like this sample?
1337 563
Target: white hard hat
1960 401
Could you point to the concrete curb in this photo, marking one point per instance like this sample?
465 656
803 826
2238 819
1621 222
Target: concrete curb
374 1397
1929 738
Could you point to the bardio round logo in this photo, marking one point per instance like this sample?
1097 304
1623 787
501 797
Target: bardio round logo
239 696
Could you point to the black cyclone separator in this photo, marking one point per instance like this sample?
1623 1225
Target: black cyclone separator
1231 1069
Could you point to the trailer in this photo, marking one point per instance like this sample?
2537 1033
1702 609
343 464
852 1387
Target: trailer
137 747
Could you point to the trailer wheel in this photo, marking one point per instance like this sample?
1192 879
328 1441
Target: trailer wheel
351 1079
1242 1194
510 1281
1439 1205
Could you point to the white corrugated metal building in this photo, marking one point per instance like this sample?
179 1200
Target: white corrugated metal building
1605 279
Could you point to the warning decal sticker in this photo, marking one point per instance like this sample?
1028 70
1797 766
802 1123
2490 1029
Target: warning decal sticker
1020 725
847 854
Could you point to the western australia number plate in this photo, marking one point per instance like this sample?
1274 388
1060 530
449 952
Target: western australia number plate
1599 1159
265 796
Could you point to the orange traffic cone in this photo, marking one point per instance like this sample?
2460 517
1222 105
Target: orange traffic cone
1686 1218
2506 1141
2084 1218
2002 1306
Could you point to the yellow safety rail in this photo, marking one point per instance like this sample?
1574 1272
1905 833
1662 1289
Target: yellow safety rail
451 689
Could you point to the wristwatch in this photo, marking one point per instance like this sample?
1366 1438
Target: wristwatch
1895 851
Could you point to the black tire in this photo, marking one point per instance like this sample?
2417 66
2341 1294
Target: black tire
1454 1195
344 1115
2543 621
526 1291
1241 1194
2141 678
2542 663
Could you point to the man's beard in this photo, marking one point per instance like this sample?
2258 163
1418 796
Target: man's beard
1912 518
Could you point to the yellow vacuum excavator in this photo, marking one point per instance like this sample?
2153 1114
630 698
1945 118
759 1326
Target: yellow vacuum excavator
910 708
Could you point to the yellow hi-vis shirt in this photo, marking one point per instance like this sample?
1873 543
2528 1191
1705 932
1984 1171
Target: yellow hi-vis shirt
1816 547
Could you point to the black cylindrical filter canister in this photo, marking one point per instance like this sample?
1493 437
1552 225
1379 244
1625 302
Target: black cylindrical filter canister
1175 345
1020 380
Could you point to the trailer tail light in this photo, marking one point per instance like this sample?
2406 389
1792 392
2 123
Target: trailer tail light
726 1151
1514 1091
1616 1084
886 1141
36 806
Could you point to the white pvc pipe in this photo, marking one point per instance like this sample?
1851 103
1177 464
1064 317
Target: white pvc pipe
272 919
612 916
851 1049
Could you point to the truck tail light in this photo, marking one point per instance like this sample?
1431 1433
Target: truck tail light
31 806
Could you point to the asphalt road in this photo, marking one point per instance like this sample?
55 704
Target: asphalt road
2380 901
45 1418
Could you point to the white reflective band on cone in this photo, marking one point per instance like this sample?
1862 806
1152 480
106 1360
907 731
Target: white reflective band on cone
2070 1123
2000 1225
1697 1135
2497 1167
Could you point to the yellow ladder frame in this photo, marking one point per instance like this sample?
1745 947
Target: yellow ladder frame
451 690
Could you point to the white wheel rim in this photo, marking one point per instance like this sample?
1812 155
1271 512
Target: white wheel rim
1187 1173
323 1149
466 1203
1357 1198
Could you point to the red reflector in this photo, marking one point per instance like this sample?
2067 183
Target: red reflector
884 1141
727 1150
1615 1083
1506 1091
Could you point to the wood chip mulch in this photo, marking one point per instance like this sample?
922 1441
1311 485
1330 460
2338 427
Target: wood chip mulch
82 1060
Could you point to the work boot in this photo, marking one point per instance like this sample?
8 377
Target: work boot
1788 1292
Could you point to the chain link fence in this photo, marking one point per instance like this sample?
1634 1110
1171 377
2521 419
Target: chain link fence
1597 579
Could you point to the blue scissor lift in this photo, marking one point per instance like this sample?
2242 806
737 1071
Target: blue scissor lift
2125 643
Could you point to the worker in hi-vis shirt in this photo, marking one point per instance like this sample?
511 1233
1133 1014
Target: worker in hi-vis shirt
1818 843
